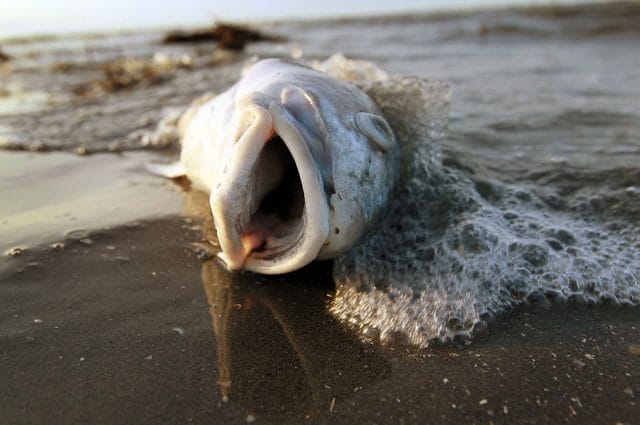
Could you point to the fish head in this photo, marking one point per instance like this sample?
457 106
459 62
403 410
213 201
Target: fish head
290 184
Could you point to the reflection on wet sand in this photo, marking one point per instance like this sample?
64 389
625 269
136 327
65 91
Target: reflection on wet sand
280 354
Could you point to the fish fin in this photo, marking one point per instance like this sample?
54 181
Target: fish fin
377 130
170 171
304 108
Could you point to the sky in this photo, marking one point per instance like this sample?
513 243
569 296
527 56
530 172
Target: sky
29 17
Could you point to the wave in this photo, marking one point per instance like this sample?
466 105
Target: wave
458 248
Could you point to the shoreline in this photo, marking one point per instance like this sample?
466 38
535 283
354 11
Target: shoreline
54 196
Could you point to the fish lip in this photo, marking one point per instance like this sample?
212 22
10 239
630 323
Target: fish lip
231 222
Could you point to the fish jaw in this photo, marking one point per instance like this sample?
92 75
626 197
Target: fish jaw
251 239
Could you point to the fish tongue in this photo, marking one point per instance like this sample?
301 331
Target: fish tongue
249 241
252 240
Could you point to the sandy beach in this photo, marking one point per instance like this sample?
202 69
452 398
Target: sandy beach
121 331
116 311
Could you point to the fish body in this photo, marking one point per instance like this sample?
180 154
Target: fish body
299 166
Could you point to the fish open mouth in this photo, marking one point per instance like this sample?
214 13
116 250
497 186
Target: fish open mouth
278 219
270 209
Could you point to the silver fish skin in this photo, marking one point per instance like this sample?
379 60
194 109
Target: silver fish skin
299 166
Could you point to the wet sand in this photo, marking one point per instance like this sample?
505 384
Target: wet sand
135 328
52 196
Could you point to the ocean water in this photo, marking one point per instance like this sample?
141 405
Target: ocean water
521 153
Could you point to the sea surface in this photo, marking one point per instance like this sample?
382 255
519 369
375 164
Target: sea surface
521 187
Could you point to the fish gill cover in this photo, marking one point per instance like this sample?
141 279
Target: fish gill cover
456 249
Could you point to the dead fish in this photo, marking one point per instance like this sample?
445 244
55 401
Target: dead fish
299 166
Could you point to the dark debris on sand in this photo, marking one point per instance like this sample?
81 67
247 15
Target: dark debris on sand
228 36
131 72
4 57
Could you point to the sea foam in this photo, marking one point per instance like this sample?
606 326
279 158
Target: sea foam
458 248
